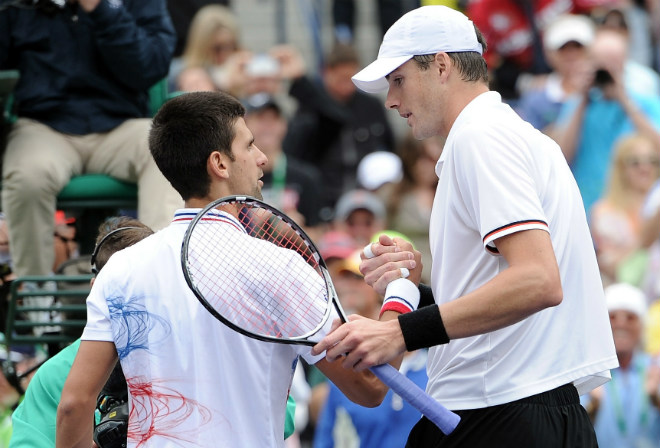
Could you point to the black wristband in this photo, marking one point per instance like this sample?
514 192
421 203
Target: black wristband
425 295
423 328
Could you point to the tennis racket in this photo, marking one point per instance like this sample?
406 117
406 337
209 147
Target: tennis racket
279 290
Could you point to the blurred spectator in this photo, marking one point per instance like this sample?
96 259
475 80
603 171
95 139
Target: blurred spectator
626 410
344 424
82 105
289 184
335 125
631 18
513 30
565 44
343 17
65 243
182 13
409 201
590 123
212 59
616 218
638 77
361 214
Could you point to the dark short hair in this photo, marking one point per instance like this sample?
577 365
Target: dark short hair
186 130
115 234
470 64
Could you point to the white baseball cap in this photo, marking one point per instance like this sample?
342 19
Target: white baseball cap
622 296
426 30
378 168
569 28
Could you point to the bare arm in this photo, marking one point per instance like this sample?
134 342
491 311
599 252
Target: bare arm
75 413
530 284
360 387
568 135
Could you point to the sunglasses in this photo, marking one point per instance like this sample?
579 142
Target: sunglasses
636 162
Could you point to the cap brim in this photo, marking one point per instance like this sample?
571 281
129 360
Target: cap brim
371 79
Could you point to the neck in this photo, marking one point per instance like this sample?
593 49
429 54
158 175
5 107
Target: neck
465 93
625 359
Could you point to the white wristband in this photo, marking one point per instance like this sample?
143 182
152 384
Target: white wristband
404 292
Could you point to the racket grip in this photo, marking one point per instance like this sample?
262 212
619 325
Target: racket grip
444 419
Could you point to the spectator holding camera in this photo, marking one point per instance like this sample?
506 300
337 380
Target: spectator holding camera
591 122
83 106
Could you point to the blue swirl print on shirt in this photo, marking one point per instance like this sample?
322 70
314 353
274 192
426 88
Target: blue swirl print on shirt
133 326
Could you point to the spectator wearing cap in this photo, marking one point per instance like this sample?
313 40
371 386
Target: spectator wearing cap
361 214
335 246
335 125
626 411
289 183
608 108
566 42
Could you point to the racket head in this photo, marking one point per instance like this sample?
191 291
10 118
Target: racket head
249 293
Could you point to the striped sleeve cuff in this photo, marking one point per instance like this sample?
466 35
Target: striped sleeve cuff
509 229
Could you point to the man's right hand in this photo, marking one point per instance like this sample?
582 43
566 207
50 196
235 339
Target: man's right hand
390 255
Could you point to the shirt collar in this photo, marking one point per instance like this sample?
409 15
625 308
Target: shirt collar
186 215
482 100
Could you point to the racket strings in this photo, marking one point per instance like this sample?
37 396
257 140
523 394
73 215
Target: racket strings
273 228
252 282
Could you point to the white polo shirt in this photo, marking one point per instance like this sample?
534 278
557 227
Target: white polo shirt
192 381
498 175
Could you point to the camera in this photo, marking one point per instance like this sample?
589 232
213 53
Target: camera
602 78
112 429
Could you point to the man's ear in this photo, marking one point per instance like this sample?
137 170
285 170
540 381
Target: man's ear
218 165
442 64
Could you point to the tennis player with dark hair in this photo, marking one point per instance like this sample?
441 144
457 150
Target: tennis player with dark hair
515 317
192 381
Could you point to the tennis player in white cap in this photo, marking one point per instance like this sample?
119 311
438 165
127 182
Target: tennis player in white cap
515 317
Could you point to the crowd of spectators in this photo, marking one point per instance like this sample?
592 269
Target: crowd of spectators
585 72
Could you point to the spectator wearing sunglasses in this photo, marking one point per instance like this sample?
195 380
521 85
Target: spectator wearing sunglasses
616 218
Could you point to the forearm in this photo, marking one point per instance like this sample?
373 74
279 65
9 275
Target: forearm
510 297
567 136
75 422
363 387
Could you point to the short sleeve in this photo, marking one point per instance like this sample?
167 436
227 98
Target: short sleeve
99 327
498 182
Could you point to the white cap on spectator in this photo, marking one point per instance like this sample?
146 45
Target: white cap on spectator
359 200
622 296
426 30
378 168
569 28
